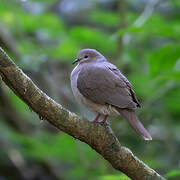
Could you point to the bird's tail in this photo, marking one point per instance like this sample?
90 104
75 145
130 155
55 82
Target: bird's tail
131 117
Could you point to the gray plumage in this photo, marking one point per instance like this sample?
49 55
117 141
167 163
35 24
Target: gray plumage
101 87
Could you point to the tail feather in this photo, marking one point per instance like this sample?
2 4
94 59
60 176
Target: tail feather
133 120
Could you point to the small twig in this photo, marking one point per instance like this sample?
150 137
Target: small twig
141 20
146 14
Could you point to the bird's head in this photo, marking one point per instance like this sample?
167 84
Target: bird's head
88 55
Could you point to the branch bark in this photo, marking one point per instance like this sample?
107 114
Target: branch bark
100 137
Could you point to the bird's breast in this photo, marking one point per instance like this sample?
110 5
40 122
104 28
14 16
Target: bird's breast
76 93
102 109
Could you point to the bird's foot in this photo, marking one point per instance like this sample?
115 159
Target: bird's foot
104 120
96 119
100 122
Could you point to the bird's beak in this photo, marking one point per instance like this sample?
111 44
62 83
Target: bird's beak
75 61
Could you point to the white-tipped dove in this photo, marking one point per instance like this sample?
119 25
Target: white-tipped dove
102 88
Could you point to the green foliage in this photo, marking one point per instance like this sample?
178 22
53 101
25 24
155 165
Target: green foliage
131 29
155 26
115 177
35 23
93 38
172 101
65 50
48 41
164 59
106 18
173 174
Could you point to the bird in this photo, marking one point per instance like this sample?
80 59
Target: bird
102 88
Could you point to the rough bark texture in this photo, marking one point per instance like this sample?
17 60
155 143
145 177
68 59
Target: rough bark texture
99 137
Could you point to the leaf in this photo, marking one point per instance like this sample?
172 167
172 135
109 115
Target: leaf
171 102
131 29
93 38
106 18
47 21
115 177
158 26
65 50
164 59
174 173
171 75
155 26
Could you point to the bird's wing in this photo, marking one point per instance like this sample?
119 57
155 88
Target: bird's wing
118 72
104 84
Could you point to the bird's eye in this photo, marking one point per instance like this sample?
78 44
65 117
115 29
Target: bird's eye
85 56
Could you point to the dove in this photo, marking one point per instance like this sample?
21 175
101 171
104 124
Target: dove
102 88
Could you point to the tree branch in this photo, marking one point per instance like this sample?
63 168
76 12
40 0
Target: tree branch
99 137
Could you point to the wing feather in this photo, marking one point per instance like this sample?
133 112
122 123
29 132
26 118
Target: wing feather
103 85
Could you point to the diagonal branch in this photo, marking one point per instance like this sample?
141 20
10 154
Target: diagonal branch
99 137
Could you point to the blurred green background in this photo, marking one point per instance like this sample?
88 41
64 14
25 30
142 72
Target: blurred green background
141 37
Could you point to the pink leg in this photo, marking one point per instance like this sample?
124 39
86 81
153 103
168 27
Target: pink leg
104 120
96 119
